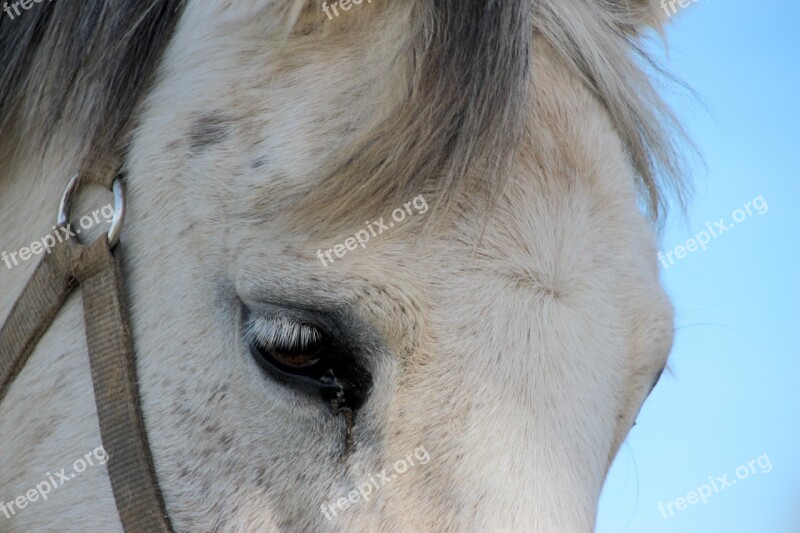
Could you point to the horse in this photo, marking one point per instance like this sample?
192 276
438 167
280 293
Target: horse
307 360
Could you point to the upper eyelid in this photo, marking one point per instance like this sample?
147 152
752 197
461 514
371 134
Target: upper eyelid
281 331
339 328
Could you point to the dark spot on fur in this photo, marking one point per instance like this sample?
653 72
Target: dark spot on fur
186 230
261 481
208 130
259 162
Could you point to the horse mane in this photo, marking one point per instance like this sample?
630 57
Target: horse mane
86 63
602 42
466 107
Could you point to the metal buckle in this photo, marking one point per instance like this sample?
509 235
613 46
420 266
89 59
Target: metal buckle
119 207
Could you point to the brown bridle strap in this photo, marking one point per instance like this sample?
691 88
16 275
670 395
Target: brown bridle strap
33 312
96 269
108 335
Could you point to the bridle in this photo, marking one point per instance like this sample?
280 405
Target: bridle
96 269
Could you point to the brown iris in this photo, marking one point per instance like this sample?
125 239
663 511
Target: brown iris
300 358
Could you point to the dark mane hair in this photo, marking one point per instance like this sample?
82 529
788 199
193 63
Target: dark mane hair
465 111
88 62
85 61
468 84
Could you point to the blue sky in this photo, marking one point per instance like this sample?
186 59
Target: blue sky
734 392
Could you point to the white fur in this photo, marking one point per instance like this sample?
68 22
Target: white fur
519 364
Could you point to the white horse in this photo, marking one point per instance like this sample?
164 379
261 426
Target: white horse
476 362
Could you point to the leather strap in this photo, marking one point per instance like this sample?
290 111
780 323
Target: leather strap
130 465
33 312
108 335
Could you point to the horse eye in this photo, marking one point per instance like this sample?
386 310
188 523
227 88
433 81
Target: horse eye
301 359
657 379
302 354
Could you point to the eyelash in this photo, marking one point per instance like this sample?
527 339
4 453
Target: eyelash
281 333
